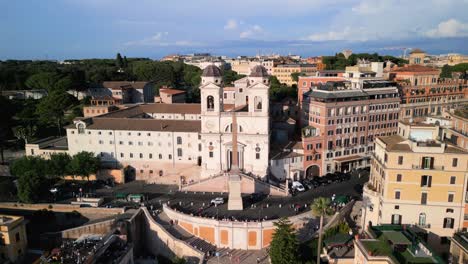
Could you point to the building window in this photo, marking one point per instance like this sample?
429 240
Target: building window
398 177
179 152
101 142
211 154
396 219
257 155
426 181
422 219
150 155
427 163
400 160
453 179
454 162
130 143
397 195
131 155
141 155
450 197
423 198
160 156
448 222
449 210
170 156
122 155
17 236
179 140
210 103
81 129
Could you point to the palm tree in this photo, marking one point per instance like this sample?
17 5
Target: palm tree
321 207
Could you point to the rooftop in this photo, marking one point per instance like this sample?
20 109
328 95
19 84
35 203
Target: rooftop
52 143
171 91
415 69
399 243
212 71
144 125
124 84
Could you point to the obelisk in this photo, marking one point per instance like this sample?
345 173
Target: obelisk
235 198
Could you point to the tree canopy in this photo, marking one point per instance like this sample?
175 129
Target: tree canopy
284 247
84 164
447 70
339 61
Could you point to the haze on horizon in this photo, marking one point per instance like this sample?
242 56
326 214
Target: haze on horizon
65 29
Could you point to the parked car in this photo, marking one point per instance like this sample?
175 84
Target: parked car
298 186
217 201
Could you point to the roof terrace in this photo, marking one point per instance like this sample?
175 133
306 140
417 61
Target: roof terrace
396 244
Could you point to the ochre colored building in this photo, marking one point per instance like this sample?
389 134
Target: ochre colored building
416 179
13 240
424 94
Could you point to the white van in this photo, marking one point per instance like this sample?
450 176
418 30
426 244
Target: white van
298 186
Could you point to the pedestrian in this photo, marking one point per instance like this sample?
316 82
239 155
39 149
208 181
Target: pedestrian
258 260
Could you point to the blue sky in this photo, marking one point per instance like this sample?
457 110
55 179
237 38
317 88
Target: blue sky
59 29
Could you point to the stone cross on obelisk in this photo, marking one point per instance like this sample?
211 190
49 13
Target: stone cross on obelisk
235 198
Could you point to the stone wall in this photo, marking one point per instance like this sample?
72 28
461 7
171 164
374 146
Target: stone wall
158 240
220 184
246 235
63 208
101 228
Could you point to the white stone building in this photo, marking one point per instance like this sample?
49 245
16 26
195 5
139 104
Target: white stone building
151 139
251 108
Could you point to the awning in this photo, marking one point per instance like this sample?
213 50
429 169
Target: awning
350 158
397 238
338 240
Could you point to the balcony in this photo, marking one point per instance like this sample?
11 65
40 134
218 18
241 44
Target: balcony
419 167
423 225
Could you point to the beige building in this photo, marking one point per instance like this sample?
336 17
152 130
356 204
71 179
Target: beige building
417 179
170 96
417 56
283 71
13 240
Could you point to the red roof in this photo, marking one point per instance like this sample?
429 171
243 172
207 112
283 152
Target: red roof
415 68
171 91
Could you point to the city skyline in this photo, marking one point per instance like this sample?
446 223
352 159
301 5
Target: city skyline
87 29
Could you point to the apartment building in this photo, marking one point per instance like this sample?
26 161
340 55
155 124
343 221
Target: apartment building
340 120
457 133
13 240
170 96
305 83
283 71
418 57
416 179
424 94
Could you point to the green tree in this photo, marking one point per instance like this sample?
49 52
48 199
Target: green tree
446 72
321 207
58 164
119 62
31 186
230 76
51 109
49 81
6 122
29 163
284 244
295 75
25 133
84 164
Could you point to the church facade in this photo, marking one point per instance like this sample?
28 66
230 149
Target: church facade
251 103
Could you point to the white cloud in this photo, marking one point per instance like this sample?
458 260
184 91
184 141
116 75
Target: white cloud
449 28
160 39
347 33
252 31
231 24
